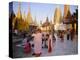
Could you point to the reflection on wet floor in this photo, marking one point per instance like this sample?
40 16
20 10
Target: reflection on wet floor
66 47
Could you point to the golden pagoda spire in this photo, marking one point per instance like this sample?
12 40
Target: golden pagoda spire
19 11
57 16
24 16
29 17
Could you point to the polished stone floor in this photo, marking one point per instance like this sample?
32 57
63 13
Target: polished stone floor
66 47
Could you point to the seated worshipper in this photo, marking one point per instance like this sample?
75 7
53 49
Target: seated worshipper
27 47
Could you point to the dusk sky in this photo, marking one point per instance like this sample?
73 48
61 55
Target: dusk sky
41 10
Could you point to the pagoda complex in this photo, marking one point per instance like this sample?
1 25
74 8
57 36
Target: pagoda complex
23 22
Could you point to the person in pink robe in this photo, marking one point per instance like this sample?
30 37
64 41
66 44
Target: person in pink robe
37 42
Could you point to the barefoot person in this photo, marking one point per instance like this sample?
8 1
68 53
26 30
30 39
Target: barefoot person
37 42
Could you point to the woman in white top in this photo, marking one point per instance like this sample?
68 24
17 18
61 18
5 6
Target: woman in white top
37 42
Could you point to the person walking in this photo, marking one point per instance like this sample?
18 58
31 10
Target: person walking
50 44
68 34
62 36
37 42
54 38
